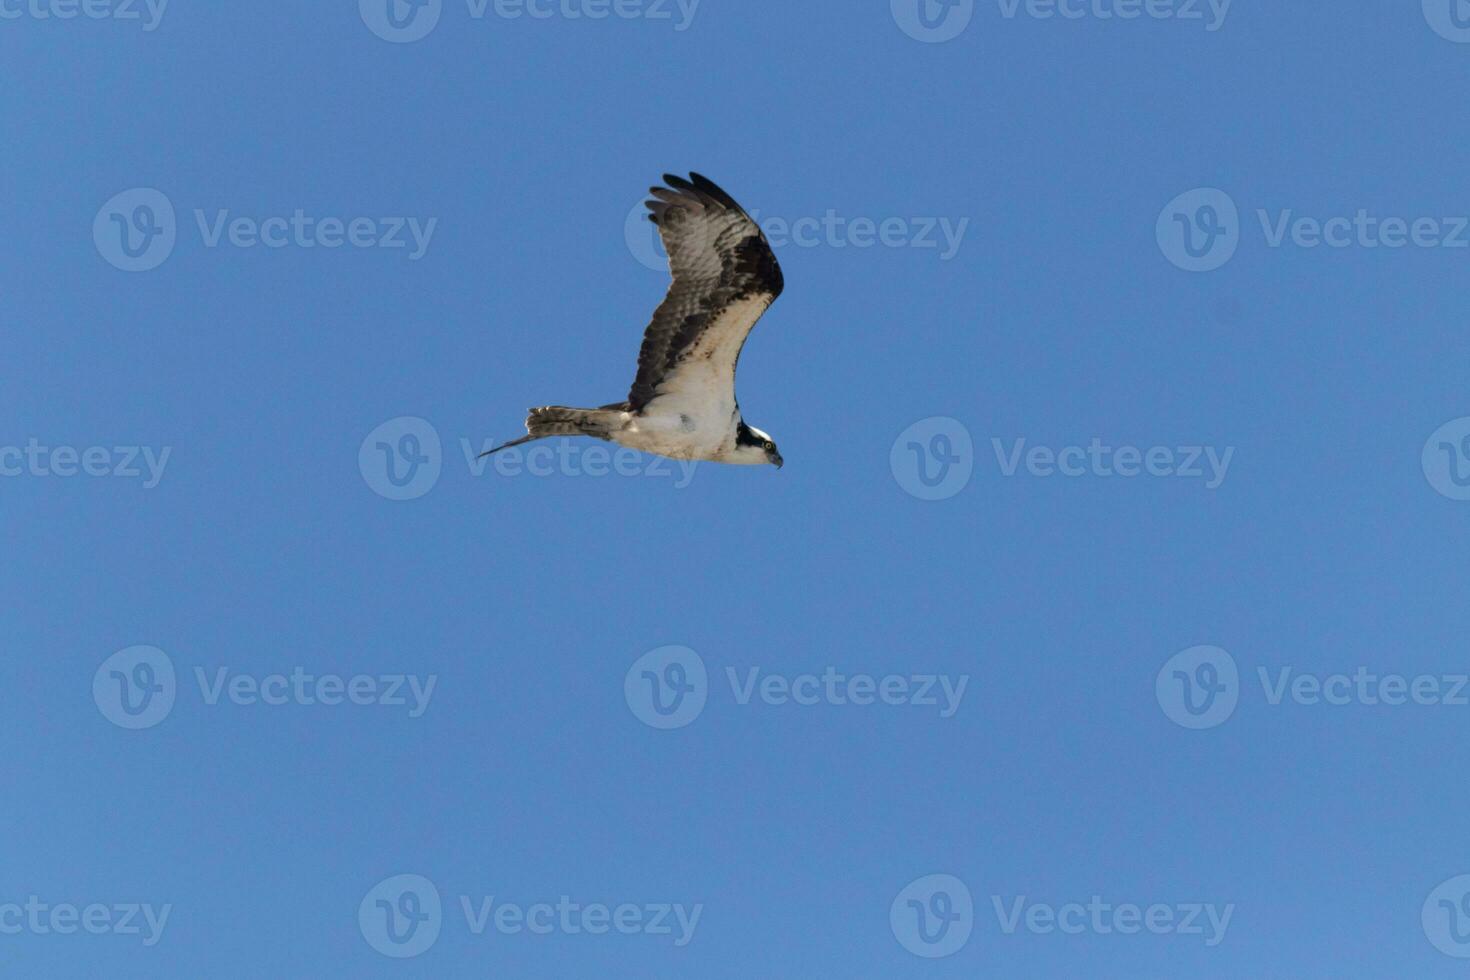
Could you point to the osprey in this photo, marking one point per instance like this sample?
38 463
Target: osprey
682 404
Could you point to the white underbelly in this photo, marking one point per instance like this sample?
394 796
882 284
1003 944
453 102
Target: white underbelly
693 413
678 436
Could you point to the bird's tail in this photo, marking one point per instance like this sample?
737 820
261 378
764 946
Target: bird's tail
557 420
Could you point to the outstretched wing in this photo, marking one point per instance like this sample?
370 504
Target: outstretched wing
725 277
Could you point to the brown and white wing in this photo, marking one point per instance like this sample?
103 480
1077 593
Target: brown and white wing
725 277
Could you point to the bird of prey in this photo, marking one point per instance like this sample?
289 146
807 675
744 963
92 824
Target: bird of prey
682 404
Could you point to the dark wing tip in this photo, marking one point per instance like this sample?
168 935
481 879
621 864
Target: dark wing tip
709 187
701 188
754 256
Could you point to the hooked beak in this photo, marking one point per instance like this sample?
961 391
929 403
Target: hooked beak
778 461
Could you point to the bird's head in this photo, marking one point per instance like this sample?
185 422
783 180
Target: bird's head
754 446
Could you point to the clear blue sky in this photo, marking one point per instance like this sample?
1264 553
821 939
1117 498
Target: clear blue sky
265 542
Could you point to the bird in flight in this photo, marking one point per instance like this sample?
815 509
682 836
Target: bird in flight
682 404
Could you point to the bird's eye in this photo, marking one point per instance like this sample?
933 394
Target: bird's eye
770 446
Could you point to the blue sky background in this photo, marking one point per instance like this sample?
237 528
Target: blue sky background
264 547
